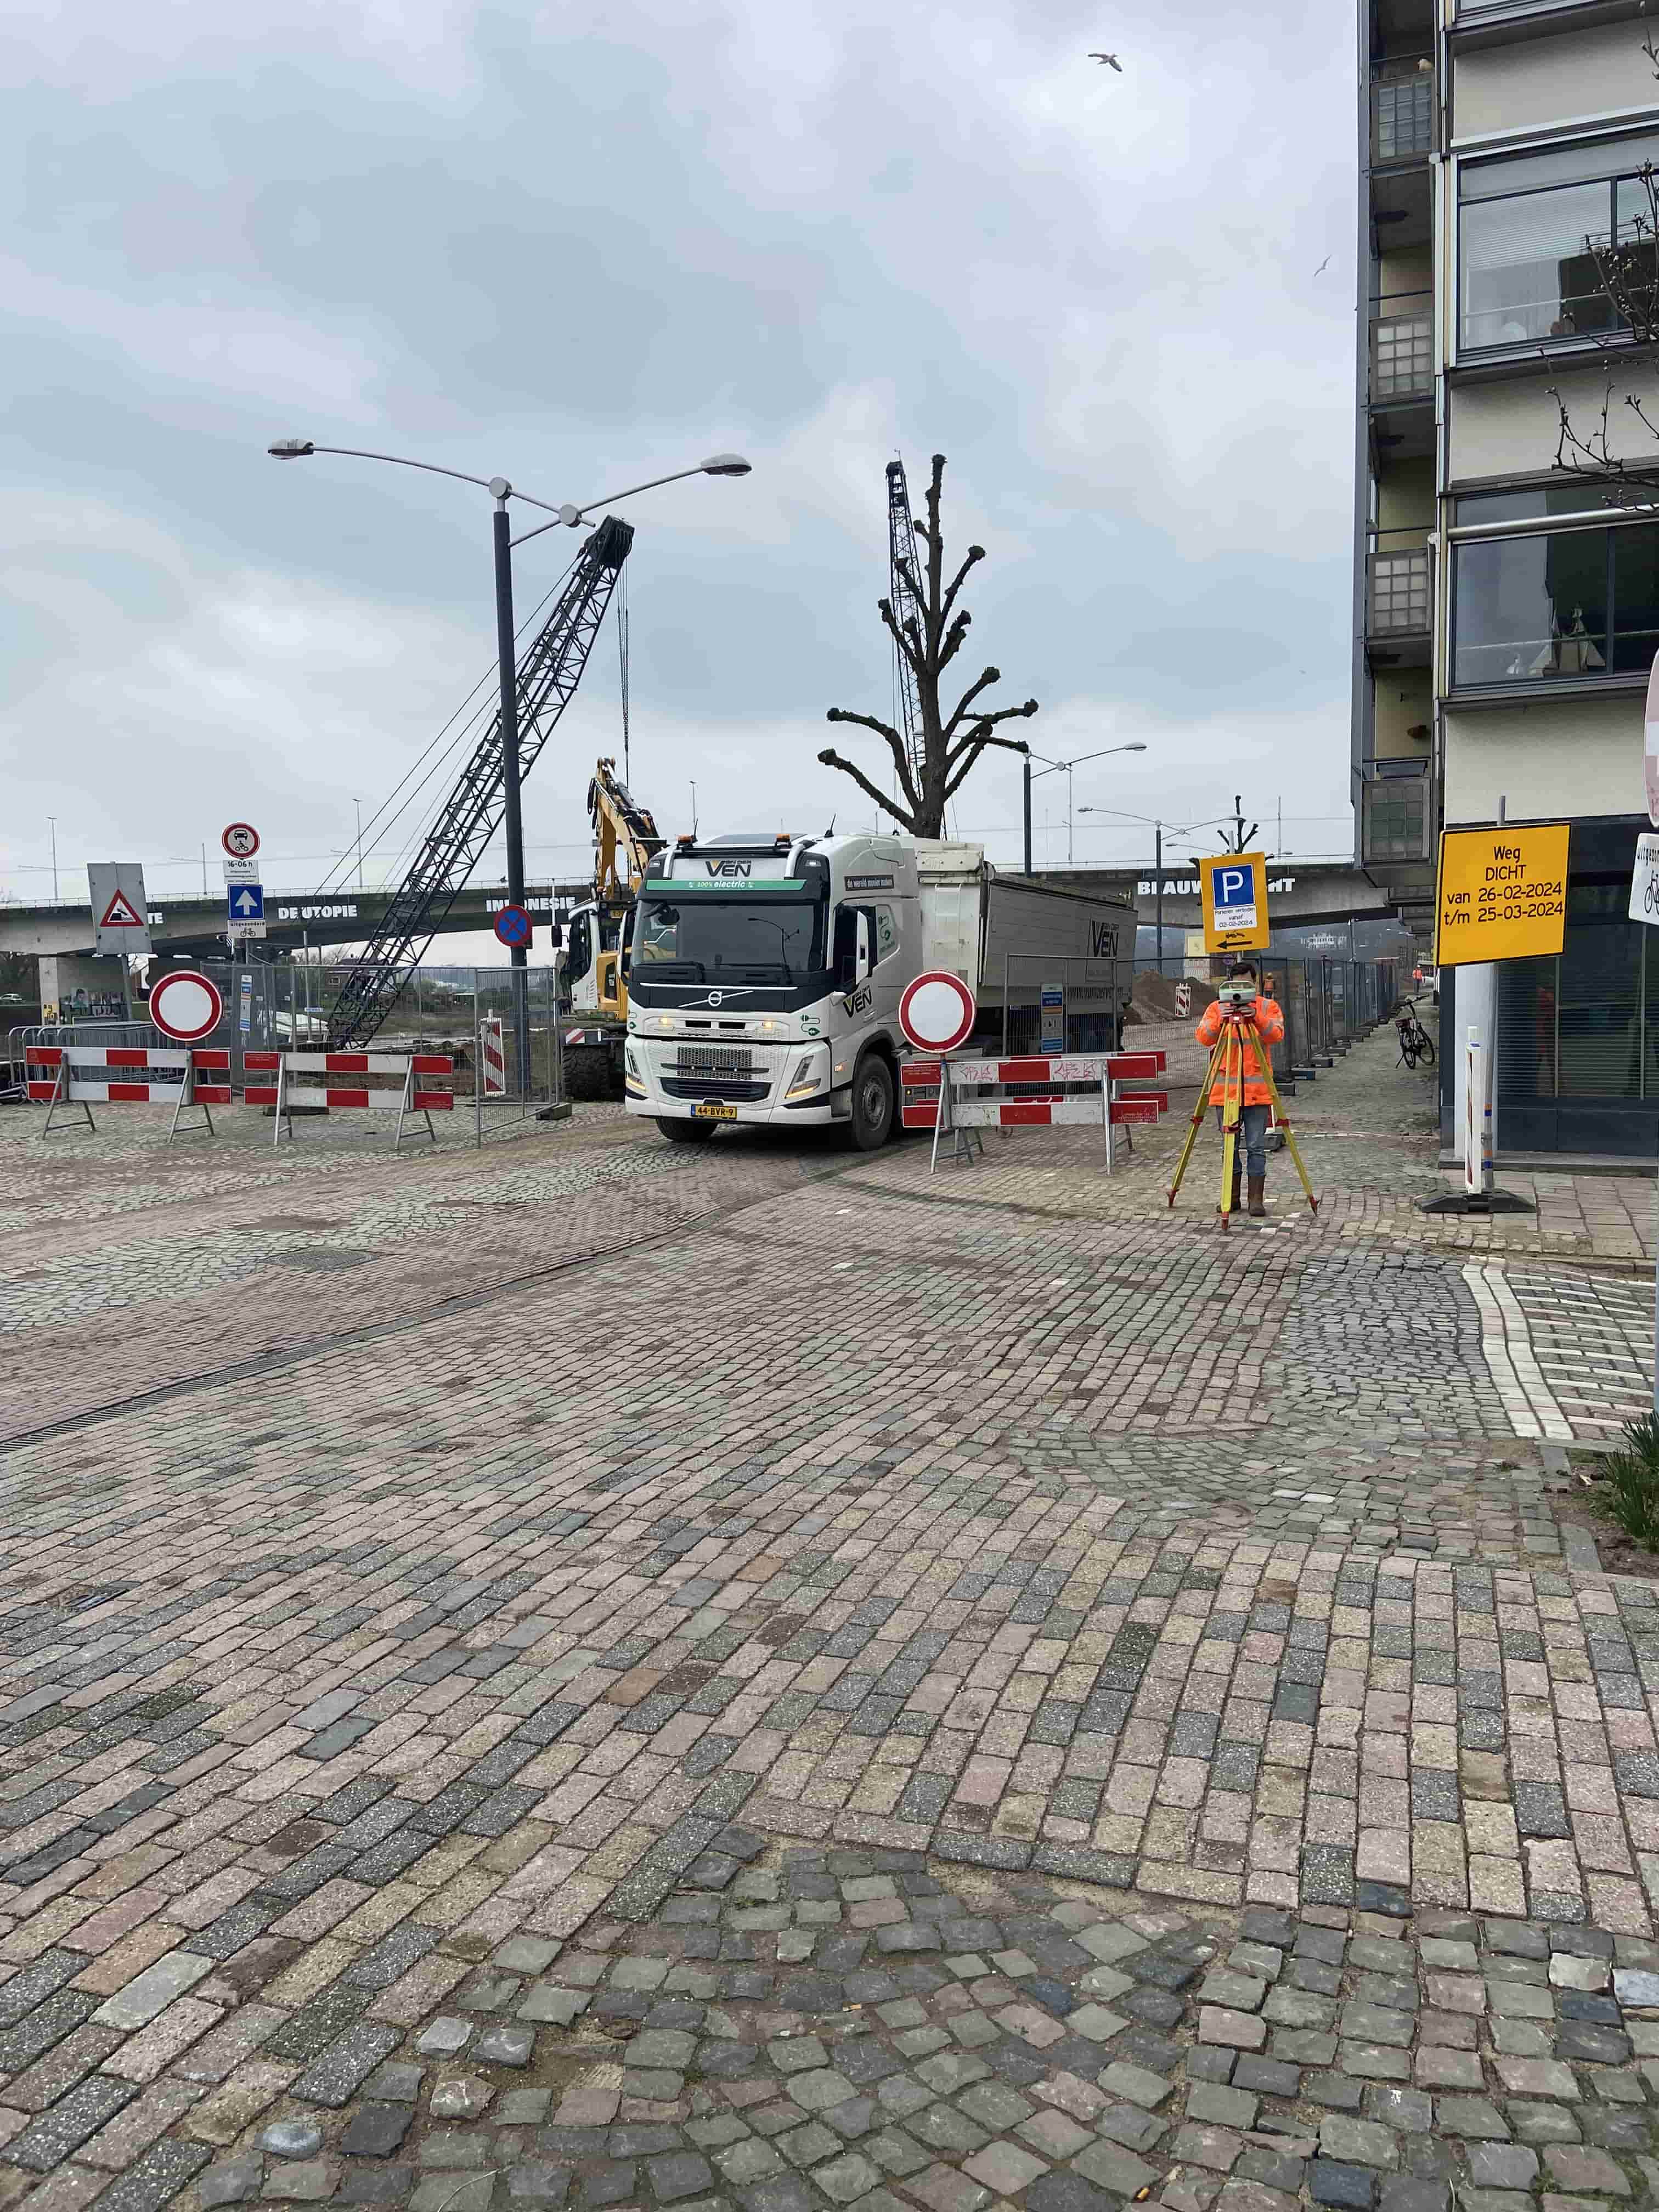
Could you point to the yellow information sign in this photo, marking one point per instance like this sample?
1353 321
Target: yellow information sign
1233 887
1503 893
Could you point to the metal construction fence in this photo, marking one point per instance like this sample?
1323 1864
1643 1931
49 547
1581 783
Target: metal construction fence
1328 1003
282 1006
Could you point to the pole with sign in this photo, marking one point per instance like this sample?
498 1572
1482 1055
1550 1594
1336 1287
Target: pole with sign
1644 902
1234 890
1501 895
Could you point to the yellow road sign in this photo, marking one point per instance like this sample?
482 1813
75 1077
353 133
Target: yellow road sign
1234 886
1503 893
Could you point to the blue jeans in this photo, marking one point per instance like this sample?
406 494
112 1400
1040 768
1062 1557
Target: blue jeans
1253 1134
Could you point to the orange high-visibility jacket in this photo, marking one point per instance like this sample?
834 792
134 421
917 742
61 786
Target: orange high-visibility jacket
1269 1024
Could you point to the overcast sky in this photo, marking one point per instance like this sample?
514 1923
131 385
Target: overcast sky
582 245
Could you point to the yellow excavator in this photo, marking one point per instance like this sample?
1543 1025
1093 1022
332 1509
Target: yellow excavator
625 839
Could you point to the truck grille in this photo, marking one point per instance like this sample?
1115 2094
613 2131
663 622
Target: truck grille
739 1092
696 1061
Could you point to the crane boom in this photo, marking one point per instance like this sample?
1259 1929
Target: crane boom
902 567
549 672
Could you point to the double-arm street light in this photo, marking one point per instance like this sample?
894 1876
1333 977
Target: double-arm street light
500 491
1054 768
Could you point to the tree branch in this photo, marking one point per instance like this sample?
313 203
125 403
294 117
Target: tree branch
896 745
979 744
909 647
981 733
952 641
974 553
982 682
831 758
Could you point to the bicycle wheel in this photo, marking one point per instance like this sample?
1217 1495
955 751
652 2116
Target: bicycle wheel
1425 1052
1408 1051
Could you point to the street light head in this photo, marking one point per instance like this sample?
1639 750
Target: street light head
290 449
1135 749
726 465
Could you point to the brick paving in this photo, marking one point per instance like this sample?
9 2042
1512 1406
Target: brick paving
1084 1709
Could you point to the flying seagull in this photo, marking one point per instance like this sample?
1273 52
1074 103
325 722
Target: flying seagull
1111 59
1323 266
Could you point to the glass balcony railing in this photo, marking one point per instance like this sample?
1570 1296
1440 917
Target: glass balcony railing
1402 348
1395 816
1401 586
1402 113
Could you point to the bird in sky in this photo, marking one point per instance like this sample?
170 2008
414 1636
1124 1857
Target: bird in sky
1323 266
1110 59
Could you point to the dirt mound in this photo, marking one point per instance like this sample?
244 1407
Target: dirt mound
1154 998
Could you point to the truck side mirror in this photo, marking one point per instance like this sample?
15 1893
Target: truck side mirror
862 964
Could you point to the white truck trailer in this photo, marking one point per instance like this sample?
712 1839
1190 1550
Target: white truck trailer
765 974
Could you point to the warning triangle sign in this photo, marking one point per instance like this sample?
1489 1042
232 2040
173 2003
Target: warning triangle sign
121 913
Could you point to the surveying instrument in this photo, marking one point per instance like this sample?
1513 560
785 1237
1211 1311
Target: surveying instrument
1223 1086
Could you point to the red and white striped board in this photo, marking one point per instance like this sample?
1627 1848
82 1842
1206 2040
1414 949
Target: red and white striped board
920 1078
287 1096
492 1057
71 1057
351 1063
1049 1113
344 1097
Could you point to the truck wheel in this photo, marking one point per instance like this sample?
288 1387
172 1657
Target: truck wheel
873 1103
588 1073
688 1133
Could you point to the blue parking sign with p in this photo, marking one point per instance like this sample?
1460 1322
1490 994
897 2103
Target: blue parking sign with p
1234 886
1235 895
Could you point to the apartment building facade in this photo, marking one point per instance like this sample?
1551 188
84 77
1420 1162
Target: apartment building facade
1506 608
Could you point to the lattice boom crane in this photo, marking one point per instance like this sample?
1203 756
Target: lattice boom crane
902 566
549 672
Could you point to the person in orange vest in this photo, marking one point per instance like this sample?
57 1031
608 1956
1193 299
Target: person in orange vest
1261 1020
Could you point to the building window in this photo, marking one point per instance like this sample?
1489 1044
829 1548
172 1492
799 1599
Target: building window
1540 236
1568 604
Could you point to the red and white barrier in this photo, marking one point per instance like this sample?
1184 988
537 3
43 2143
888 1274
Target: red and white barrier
931 1095
286 1095
492 1057
160 1075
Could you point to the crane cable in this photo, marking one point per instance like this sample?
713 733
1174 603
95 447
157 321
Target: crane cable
391 814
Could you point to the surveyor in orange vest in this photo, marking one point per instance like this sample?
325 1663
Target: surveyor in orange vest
1261 1022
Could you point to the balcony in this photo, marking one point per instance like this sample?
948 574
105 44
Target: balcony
1401 394
1402 112
1396 818
1402 348
1399 598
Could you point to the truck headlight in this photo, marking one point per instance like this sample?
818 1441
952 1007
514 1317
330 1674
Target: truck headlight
808 1077
633 1081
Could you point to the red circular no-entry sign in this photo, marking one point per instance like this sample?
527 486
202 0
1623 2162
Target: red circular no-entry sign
186 1006
937 1012
240 840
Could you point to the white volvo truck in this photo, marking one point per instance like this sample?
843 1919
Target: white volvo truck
765 974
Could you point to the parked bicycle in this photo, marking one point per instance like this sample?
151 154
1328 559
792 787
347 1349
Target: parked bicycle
1415 1043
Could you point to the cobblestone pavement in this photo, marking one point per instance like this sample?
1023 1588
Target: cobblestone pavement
1087 1709
128 1268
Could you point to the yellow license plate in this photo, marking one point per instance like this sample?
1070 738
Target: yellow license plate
714 1109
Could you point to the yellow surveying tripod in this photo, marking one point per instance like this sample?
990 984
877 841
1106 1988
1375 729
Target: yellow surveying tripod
1227 1067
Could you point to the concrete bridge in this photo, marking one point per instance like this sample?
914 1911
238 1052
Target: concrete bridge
293 918
1299 892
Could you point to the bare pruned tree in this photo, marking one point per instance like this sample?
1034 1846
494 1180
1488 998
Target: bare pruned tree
930 640
1626 280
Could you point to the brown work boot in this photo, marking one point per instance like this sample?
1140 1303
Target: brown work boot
1258 1207
1232 1204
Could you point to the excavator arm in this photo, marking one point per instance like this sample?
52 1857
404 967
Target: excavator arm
625 840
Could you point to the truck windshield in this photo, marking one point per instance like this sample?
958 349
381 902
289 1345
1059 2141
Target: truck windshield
694 938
